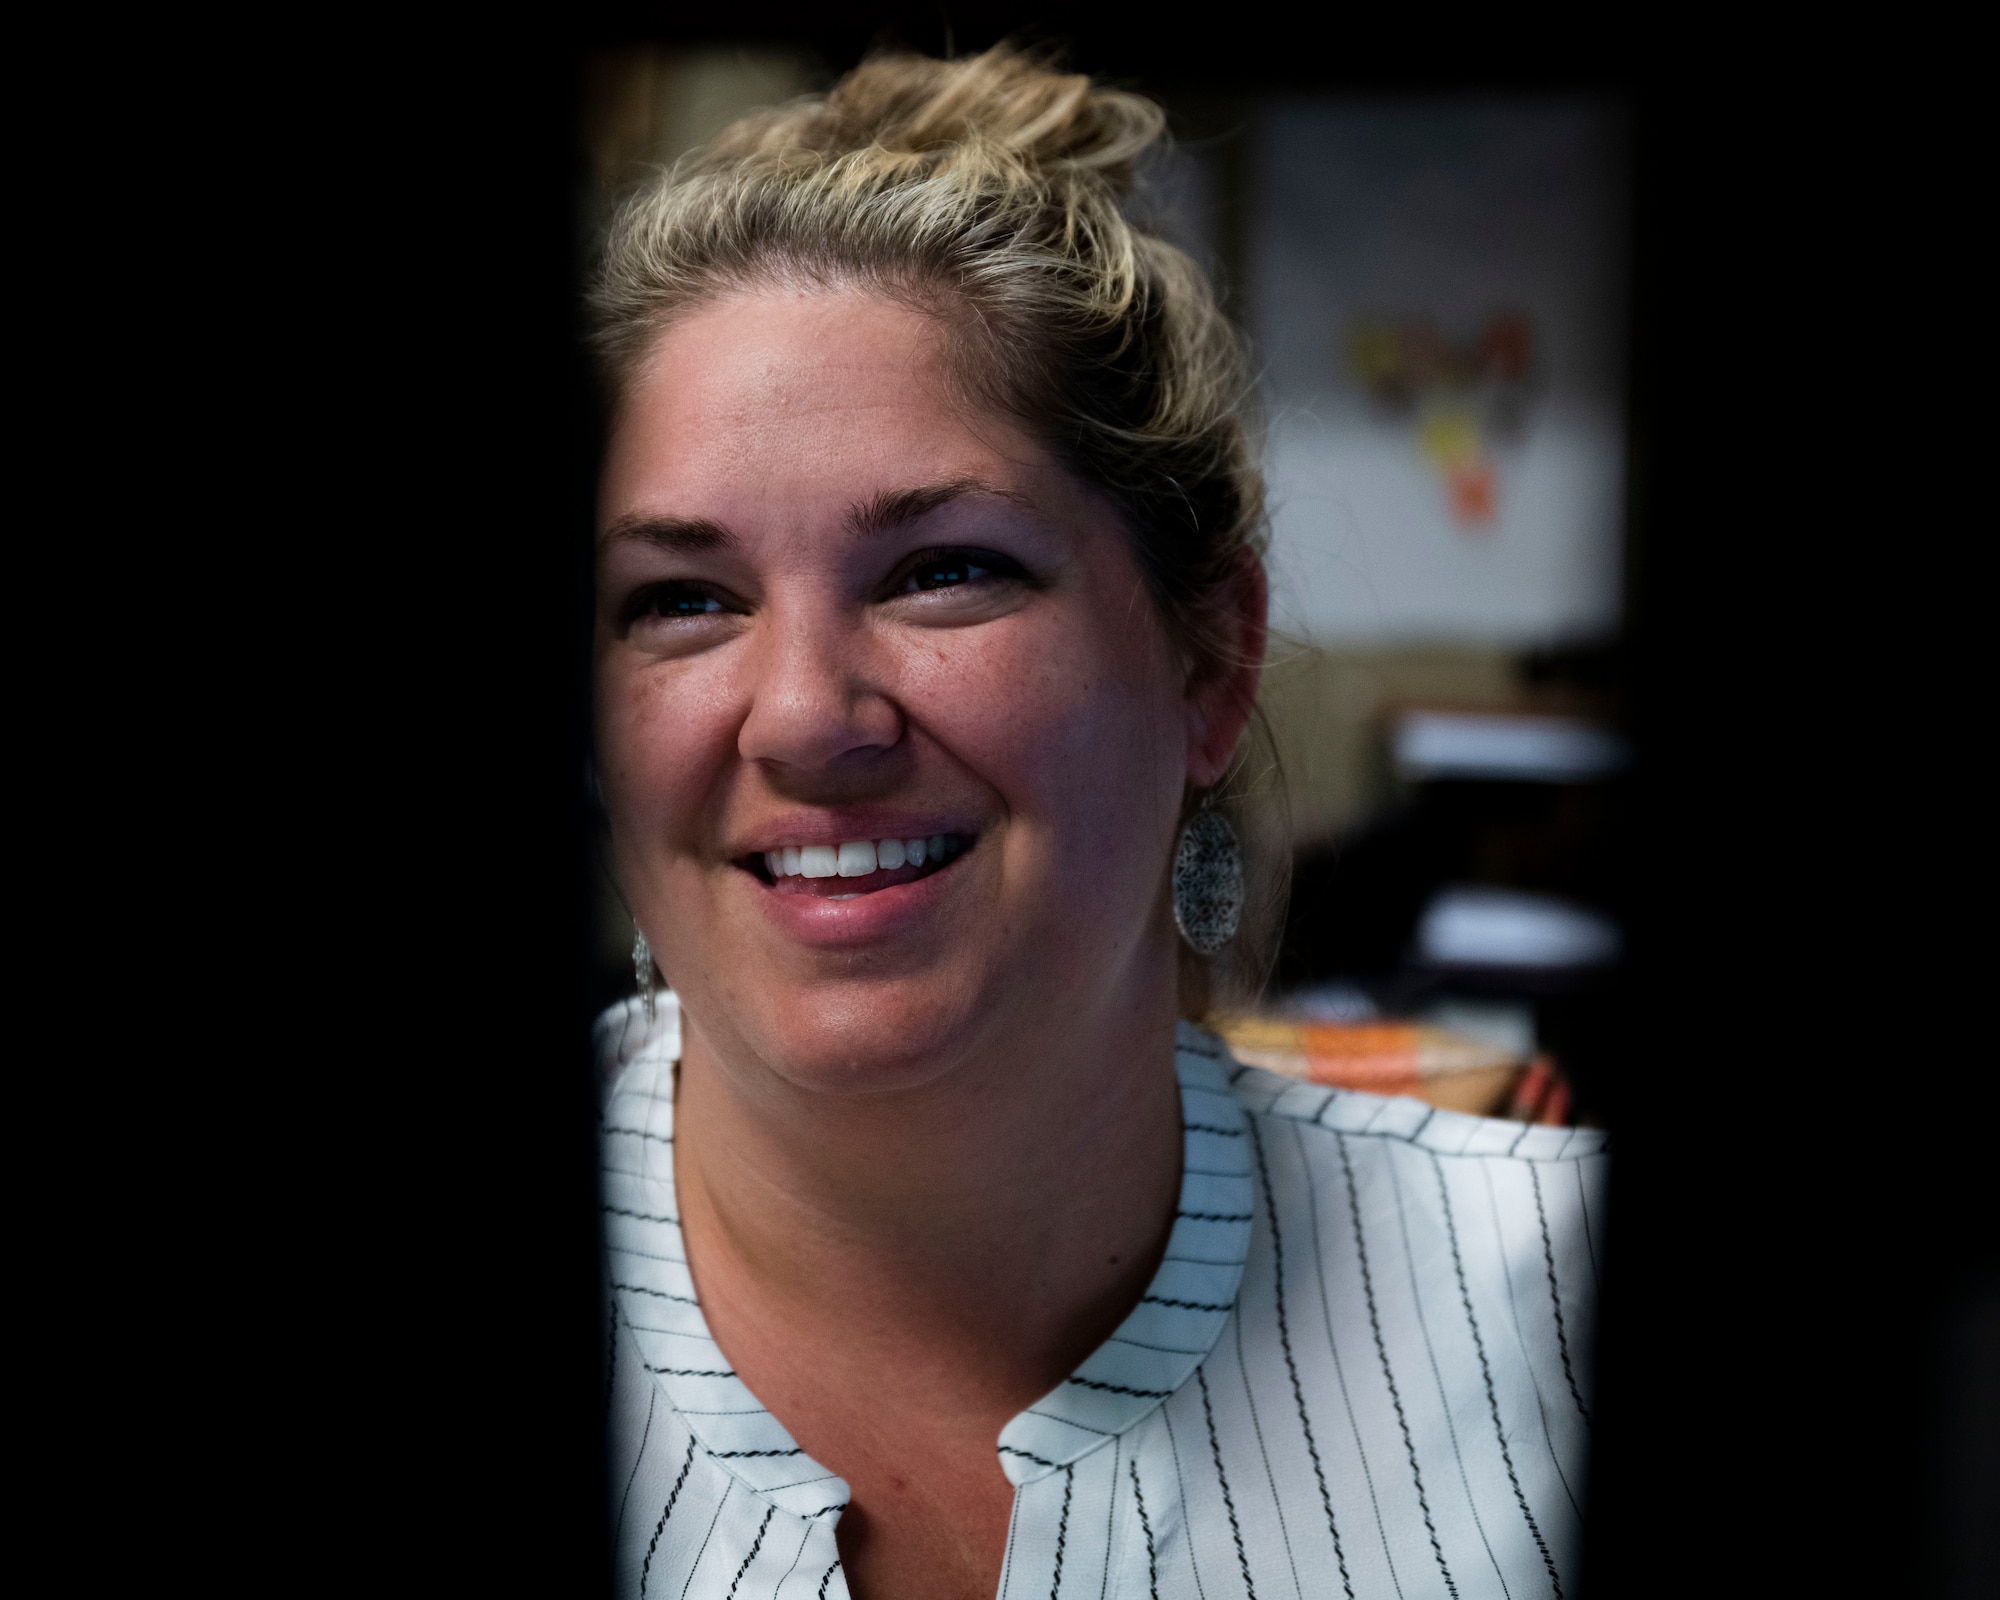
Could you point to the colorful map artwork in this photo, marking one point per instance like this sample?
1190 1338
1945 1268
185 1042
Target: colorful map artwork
1462 400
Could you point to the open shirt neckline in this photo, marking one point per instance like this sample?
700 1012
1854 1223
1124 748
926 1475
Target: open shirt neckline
1148 1357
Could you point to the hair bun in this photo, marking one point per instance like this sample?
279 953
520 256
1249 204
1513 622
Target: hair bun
1004 101
987 194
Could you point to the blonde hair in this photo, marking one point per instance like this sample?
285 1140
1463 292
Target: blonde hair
990 192
987 190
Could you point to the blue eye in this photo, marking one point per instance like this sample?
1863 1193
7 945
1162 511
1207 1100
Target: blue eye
946 573
952 569
678 600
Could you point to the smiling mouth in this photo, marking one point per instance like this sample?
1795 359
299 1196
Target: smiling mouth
855 867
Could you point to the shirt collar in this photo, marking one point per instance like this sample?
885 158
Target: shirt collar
1153 1352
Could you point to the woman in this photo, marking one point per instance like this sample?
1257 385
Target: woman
946 1259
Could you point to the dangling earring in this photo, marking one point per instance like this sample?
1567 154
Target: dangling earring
642 968
1208 881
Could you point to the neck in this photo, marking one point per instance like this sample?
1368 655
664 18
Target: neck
993 1226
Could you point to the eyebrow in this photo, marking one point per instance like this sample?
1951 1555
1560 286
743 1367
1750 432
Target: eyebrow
894 507
682 535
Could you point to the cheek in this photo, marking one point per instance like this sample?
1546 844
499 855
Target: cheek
664 731
1076 728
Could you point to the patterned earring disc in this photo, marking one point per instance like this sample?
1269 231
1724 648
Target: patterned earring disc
1208 882
642 968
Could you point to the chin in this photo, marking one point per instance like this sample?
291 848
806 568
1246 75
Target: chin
864 1038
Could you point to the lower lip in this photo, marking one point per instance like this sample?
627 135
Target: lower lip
863 919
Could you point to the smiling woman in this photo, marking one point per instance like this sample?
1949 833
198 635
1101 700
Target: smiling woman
946 1257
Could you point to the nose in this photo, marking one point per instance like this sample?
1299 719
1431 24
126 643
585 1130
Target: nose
816 709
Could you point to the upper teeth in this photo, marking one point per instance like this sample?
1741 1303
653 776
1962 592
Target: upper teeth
854 859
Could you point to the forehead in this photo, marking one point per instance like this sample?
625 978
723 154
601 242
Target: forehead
783 401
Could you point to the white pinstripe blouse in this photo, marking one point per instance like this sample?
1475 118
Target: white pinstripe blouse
1361 1369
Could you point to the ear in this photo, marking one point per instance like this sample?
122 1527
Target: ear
1219 703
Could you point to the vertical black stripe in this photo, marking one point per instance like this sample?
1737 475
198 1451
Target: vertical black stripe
1222 1477
827 1577
713 1523
1583 1207
1062 1529
1382 1354
1486 1373
1292 1366
1340 1367
1505 1258
1110 1515
756 1544
1555 1294
1007 1557
611 1357
646 1571
1180 1482
1437 1378
1270 1477
1146 1527
632 1477
804 1540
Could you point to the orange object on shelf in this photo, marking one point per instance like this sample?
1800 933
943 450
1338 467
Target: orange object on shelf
1432 1064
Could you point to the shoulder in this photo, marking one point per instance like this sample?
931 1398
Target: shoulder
1328 1117
1437 1201
1443 1221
